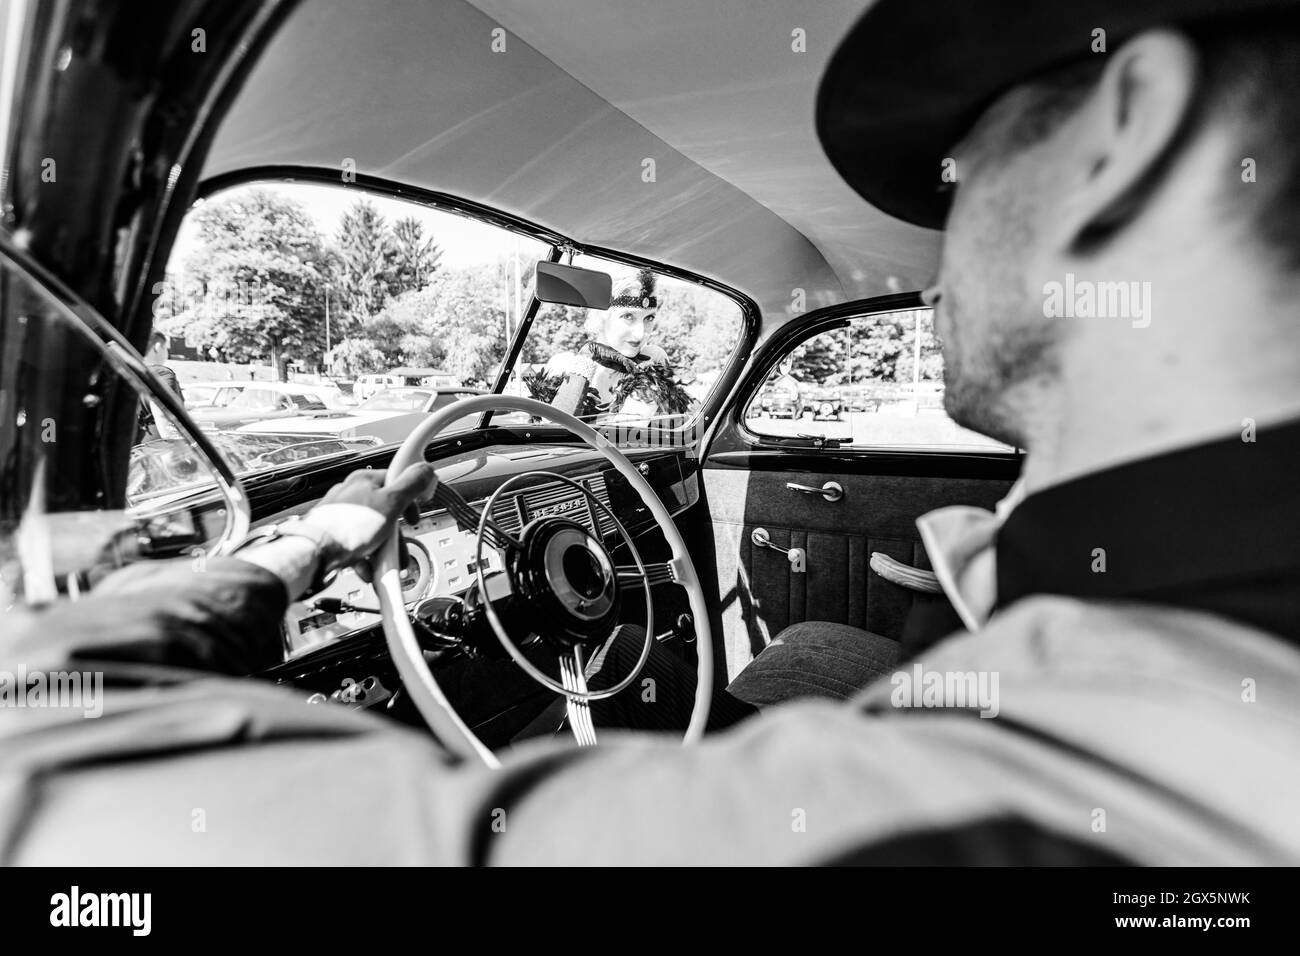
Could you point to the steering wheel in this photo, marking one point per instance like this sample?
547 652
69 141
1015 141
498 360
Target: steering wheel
559 569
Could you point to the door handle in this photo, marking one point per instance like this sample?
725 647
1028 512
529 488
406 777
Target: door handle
831 491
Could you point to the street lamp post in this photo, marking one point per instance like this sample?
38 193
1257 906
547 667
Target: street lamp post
916 363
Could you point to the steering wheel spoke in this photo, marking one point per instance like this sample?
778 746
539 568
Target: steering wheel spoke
578 708
468 517
656 572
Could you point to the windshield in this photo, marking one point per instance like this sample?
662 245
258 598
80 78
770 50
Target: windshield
302 297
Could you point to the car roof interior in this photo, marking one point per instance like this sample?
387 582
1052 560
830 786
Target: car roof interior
557 128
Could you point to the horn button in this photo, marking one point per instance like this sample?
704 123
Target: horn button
566 576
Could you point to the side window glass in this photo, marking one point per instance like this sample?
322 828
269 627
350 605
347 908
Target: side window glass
876 383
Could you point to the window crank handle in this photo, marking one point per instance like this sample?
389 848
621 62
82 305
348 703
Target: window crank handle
797 557
761 539
831 491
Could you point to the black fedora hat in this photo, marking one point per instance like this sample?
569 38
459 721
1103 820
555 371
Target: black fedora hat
912 76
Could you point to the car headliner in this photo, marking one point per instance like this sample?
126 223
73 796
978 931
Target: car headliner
555 129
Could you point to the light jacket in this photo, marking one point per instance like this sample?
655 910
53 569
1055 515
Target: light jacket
1121 733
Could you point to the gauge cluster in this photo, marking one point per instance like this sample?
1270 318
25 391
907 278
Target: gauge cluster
439 563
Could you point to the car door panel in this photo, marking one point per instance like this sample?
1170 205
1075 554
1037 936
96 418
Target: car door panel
759 590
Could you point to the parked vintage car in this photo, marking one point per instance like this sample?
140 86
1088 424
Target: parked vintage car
820 402
262 401
779 400
387 416
859 398
211 394
403 377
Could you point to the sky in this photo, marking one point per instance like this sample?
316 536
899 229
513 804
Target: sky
464 242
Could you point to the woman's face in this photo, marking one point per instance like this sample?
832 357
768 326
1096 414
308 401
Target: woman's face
628 329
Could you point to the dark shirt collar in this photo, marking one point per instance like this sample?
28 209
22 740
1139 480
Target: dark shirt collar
1214 527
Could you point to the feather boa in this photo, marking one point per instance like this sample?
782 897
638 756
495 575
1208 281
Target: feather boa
650 382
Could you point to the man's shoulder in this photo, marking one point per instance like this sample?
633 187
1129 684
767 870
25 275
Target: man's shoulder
1053 633
168 376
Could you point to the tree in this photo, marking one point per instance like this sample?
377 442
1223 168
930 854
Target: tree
261 270
365 265
556 329
353 357
455 322
883 348
821 360
414 258
697 327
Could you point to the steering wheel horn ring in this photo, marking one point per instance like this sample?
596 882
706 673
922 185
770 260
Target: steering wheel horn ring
562 568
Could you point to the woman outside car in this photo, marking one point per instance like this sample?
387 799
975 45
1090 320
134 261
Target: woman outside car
617 371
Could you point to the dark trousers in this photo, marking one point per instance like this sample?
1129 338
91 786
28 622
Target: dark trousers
810 659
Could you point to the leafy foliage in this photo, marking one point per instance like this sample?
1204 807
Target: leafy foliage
354 357
264 271
454 323
261 276
414 258
375 262
875 349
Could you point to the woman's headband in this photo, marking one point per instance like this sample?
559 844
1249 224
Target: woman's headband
637 294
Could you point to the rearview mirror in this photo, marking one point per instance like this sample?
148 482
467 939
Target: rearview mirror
569 285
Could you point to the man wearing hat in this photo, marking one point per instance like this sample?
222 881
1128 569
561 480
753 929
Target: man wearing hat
1133 696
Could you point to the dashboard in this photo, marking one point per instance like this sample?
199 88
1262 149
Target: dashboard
307 625
441 552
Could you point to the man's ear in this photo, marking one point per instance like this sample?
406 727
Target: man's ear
1124 130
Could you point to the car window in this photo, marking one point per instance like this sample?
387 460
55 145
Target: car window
876 383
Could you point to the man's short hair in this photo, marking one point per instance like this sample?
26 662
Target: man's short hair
1250 76
156 339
